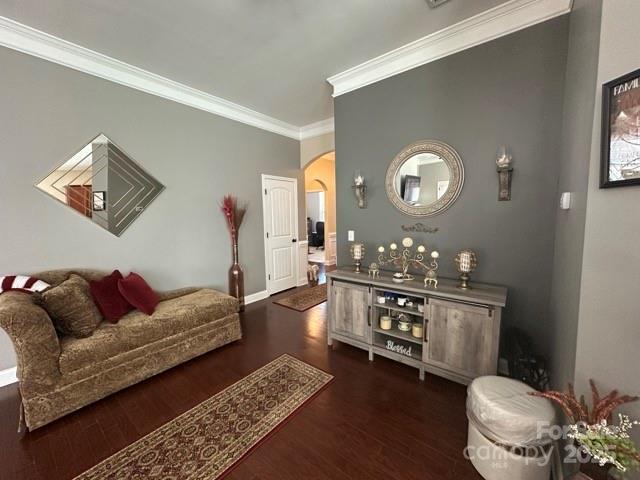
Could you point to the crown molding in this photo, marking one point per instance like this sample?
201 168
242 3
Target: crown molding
34 42
317 128
496 22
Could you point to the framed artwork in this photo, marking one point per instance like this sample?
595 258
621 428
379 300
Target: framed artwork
99 201
620 158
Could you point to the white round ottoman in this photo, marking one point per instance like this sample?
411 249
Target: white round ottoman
507 437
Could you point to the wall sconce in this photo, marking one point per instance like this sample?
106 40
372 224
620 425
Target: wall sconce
504 166
360 189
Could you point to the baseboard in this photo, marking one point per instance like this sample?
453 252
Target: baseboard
8 376
256 297
303 262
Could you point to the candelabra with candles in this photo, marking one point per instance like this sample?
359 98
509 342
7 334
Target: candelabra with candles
407 258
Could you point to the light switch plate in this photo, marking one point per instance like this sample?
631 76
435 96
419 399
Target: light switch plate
351 236
565 200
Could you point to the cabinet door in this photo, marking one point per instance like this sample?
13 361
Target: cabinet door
350 310
463 338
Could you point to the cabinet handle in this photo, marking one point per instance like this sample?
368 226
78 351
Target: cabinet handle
424 328
369 315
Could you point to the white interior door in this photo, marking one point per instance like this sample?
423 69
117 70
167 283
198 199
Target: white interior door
280 208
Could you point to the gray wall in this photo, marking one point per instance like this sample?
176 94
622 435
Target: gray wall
609 324
509 91
49 112
579 102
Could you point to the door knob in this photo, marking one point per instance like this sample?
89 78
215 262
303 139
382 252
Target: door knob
294 240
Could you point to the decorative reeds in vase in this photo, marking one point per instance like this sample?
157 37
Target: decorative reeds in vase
234 215
606 444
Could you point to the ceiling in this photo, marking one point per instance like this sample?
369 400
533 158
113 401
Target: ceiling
272 56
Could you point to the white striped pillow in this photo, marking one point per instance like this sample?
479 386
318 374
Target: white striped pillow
22 283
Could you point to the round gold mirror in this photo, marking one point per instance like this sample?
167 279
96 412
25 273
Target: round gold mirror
425 178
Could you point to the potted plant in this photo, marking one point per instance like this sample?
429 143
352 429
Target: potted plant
605 443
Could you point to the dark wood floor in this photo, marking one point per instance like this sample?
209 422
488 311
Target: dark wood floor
375 421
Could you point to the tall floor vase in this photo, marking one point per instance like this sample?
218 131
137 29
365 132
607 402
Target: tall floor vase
236 278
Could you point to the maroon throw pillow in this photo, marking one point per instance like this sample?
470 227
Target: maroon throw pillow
108 298
138 293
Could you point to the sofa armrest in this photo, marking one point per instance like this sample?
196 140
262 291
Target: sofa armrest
34 340
178 292
221 297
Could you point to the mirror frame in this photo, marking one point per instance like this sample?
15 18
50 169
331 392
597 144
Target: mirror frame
456 180
145 179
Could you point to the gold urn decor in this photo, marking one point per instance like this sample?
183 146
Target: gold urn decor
406 258
466 263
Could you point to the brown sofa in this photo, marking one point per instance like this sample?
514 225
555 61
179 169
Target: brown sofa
60 374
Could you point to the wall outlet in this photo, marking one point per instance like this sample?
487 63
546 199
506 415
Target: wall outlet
351 236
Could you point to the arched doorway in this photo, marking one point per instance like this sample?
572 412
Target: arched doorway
320 197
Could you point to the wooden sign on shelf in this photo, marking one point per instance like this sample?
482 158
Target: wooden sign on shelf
398 348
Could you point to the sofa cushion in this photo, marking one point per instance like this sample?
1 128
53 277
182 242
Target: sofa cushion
137 330
56 277
138 293
108 298
70 307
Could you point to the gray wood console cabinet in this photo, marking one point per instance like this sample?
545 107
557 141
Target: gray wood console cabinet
460 334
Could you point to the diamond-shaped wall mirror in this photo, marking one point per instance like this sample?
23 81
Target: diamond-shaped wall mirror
104 184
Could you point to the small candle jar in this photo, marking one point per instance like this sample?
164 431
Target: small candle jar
416 329
385 322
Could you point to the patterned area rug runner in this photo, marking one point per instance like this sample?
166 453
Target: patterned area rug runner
305 299
206 441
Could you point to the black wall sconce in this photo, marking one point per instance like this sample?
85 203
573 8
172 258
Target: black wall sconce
504 166
360 189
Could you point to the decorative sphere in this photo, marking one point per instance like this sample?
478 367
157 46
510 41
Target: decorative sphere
381 249
421 249
407 242
393 246
435 254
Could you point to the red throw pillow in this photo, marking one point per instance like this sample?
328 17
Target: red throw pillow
110 301
138 293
